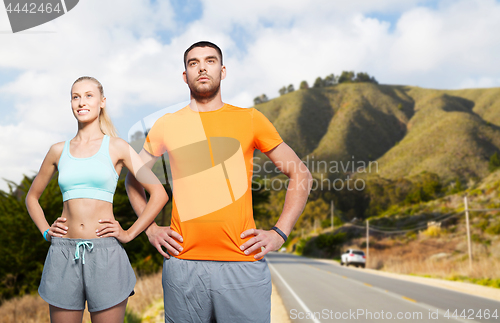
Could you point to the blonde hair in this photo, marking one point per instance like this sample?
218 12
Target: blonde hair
105 123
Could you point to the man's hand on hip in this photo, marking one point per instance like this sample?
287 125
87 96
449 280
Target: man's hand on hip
270 240
166 237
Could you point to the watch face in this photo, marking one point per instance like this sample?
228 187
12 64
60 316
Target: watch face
25 14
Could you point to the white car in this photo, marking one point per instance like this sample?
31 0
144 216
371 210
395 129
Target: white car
353 257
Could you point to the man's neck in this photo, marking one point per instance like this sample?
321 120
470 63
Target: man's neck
202 106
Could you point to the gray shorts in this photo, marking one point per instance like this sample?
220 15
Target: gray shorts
216 291
101 274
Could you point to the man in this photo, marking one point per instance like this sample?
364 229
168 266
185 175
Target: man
217 271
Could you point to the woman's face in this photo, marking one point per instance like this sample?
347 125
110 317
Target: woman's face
86 101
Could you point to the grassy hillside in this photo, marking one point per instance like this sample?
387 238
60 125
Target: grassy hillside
406 129
486 102
369 120
302 117
444 136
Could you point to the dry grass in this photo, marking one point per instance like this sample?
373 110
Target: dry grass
32 309
436 257
147 290
26 309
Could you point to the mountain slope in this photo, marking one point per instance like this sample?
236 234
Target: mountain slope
444 136
406 129
301 117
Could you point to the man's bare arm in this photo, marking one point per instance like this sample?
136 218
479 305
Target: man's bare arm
296 197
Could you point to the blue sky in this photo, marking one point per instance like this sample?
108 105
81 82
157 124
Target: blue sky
136 52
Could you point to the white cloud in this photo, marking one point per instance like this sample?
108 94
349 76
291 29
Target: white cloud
482 82
115 43
443 48
451 45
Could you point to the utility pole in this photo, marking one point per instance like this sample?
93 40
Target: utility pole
332 210
469 247
367 241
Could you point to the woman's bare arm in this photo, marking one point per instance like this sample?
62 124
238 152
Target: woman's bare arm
47 170
158 195
158 236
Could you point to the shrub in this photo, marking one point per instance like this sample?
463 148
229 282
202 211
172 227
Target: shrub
493 228
131 317
411 235
330 241
299 249
494 163
433 231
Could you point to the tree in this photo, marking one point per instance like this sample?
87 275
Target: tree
362 77
290 88
303 85
330 80
260 198
494 163
318 82
365 78
260 99
138 135
455 187
22 248
346 77
282 91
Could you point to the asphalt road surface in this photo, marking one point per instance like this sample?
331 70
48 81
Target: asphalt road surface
314 291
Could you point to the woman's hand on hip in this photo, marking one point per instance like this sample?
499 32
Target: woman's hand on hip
57 229
112 228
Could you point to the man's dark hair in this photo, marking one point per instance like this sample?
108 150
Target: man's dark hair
202 44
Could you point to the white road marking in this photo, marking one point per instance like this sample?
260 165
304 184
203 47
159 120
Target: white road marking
297 298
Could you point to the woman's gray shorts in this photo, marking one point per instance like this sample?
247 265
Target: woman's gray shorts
95 270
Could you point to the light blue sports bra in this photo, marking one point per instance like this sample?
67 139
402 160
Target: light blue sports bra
93 177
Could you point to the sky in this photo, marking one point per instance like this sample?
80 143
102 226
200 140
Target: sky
136 51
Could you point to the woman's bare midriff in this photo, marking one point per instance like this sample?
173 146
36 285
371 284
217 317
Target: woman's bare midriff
83 215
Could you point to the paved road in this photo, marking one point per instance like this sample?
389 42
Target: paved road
314 291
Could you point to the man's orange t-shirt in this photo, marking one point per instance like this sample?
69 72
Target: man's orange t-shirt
211 159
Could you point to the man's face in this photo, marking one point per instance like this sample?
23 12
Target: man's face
204 72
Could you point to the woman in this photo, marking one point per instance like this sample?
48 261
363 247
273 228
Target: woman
86 261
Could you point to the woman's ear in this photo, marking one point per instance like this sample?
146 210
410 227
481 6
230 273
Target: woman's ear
103 102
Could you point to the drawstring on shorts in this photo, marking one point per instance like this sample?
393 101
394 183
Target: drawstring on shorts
89 245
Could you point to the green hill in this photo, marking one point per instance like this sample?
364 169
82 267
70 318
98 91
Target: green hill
302 117
405 129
